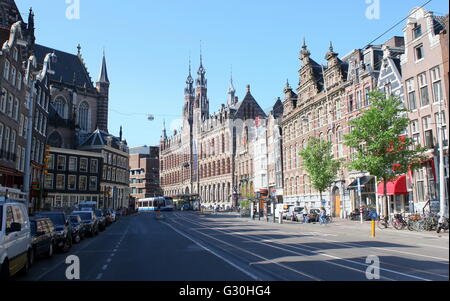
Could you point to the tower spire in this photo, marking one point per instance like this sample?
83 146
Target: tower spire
103 78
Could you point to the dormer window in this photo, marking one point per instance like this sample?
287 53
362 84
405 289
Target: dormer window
419 52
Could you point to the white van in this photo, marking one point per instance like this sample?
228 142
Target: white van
15 238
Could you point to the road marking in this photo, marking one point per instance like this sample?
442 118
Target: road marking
255 278
99 276
105 267
319 253
112 254
108 260
261 257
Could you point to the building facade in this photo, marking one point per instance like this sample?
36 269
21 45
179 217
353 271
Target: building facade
426 89
201 159
144 172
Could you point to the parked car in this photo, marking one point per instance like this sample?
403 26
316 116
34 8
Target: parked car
15 239
295 213
63 229
112 215
78 228
314 215
101 219
90 221
286 209
43 236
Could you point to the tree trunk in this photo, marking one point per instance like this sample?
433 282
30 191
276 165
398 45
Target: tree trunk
386 203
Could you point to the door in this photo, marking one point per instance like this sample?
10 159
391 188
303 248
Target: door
337 205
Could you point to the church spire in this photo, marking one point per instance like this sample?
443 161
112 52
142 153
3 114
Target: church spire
103 78
231 90
189 90
201 80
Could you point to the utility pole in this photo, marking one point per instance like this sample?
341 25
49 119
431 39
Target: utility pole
442 186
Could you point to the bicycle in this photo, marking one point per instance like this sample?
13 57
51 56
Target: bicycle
398 222
383 222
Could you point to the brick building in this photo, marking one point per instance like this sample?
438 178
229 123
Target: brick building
426 88
202 158
144 172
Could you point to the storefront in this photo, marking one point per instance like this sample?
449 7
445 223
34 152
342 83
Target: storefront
367 197
397 192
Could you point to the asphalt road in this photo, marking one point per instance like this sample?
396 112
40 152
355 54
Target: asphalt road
186 246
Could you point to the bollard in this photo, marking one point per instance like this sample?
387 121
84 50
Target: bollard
373 228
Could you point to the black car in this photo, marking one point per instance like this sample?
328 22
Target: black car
101 216
78 228
43 236
63 229
90 221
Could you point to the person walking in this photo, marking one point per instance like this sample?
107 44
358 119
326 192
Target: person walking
305 215
322 215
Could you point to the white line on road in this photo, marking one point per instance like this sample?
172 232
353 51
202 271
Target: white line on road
105 267
255 278
99 276
108 260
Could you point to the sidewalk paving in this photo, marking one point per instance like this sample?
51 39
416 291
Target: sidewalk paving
338 223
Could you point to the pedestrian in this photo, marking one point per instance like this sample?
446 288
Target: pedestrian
322 215
305 215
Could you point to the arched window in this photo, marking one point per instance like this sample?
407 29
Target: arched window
55 140
83 116
60 106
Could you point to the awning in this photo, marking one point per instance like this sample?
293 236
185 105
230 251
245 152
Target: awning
398 187
362 181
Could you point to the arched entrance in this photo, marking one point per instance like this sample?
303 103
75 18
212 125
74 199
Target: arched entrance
336 197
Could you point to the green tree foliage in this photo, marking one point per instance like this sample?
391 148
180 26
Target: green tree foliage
382 147
320 164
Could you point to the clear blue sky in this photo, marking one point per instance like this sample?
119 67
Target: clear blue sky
148 44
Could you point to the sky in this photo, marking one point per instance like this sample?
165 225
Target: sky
148 44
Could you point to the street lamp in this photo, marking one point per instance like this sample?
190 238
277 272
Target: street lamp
39 76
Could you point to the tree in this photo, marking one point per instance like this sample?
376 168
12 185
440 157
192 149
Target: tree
320 164
382 147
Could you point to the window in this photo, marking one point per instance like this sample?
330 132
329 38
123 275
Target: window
73 163
437 88
48 181
366 96
428 132
424 99
60 182
72 182
3 100
61 163
411 94
83 116
51 162
83 183
93 183
420 185
9 109
417 31
419 52
13 76
19 81
12 146
84 165
350 103
94 166
60 106
340 137
6 70
415 131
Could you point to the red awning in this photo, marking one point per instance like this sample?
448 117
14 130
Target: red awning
398 187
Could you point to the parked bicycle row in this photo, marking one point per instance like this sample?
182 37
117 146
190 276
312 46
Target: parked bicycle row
415 222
